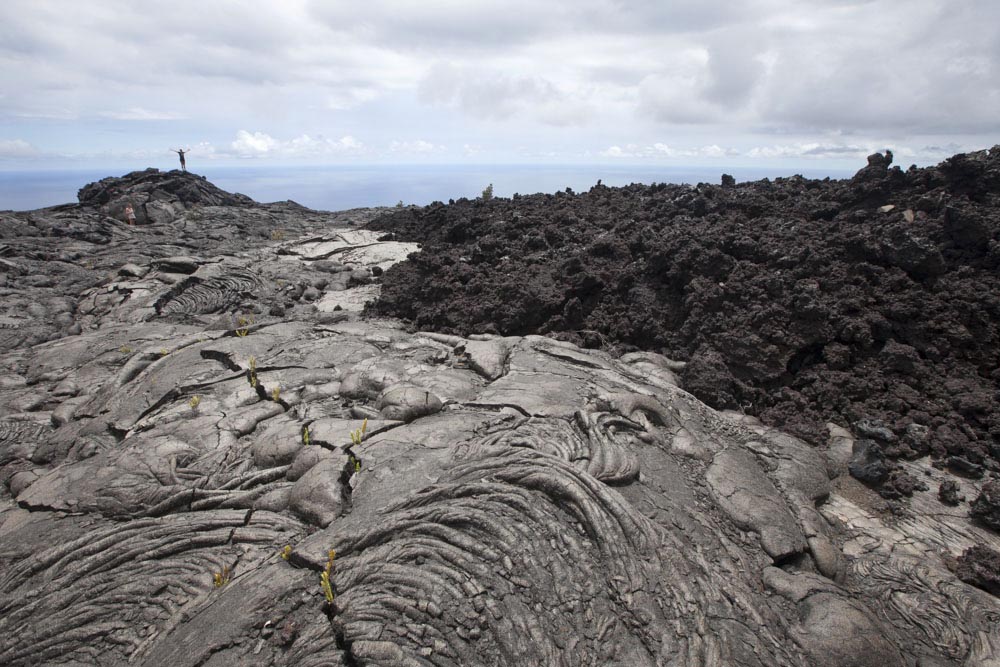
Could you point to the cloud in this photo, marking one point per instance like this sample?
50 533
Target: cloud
495 95
417 146
811 150
253 145
557 76
857 151
17 148
259 145
661 150
920 67
485 26
138 113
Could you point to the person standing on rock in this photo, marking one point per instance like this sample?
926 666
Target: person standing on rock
129 214
180 154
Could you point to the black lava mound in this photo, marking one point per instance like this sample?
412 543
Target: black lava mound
181 186
800 301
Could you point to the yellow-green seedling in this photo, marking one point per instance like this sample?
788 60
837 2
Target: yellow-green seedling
324 578
355 462
286 552
243 327
252 372
220 579
324 582
195 400
358 434
164 351
276 394
277 234
125 349
306 440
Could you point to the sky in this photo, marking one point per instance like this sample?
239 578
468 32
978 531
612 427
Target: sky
765 83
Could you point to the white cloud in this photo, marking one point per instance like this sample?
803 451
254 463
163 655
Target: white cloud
662 150
261 144
138 113
253 145
17 148
417 146
814 150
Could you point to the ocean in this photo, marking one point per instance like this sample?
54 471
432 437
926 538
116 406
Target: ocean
337 188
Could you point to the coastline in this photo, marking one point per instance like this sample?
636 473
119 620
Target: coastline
332 188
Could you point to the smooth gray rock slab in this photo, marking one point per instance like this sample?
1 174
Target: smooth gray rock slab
746 494
317 496
406 402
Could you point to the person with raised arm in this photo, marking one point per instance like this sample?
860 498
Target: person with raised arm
180 154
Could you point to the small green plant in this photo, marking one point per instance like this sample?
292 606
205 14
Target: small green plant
125 349
164 351
324 578
276 394
252 372
488 192
305 436
220 579
358 434
194 402
286 552
277 234
243 325
324 582
354 462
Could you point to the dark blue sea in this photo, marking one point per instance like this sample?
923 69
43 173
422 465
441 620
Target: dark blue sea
337 188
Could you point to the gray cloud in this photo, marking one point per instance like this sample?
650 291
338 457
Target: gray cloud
771 75
494 95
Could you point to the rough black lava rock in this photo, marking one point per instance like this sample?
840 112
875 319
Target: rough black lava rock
876 297
980 566
948 493
986 507
868 462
